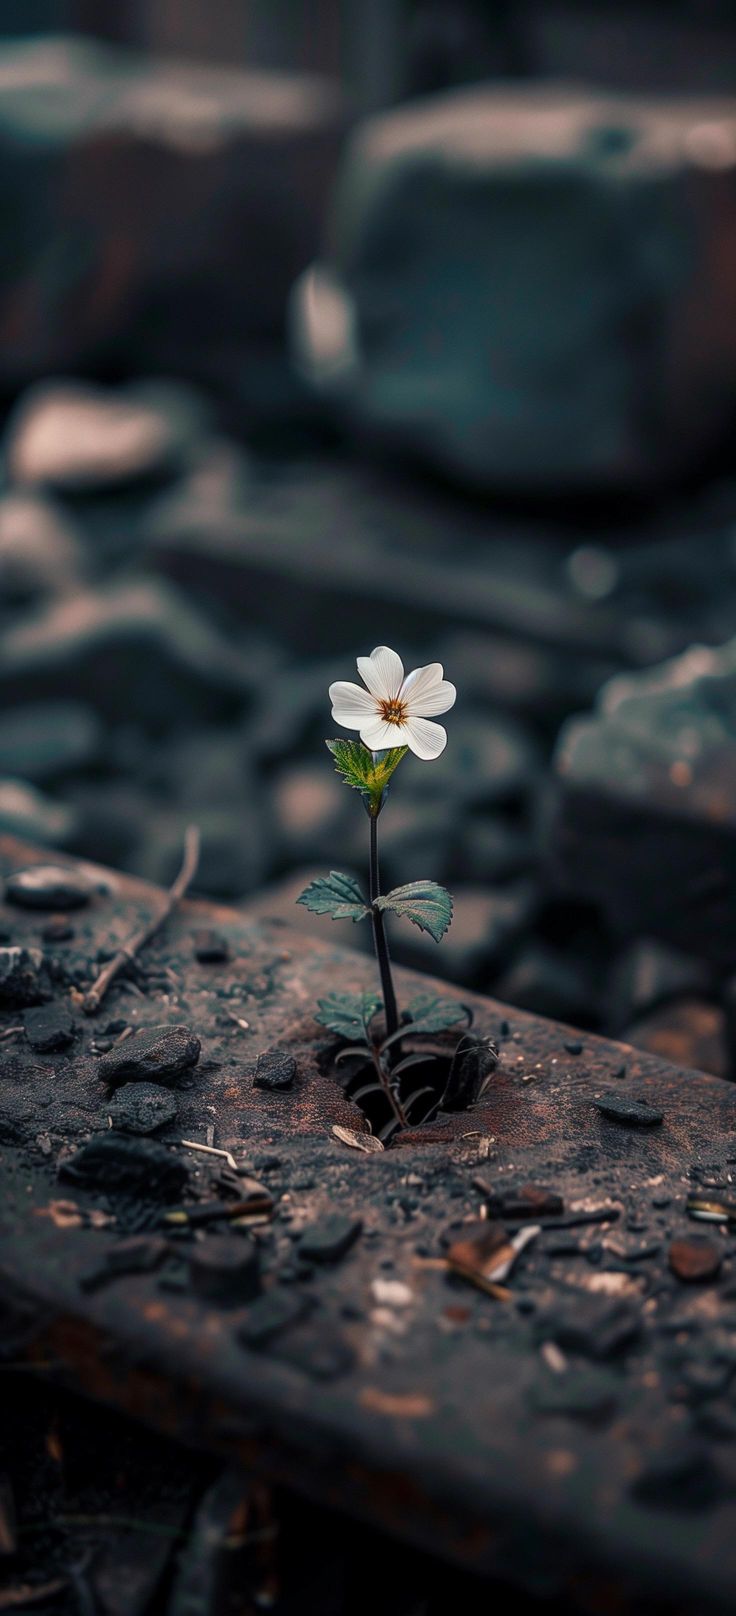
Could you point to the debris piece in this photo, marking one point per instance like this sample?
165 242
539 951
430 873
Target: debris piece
391 1293
275 1069
358 1141
712 1207
626 1109
142 1107
212 1150
160 1053
486 1254
254 1203
329 1240
24 977
119 1164
530 1201
225 1270
125 955
397 1405
694 1258
49 886
49 1026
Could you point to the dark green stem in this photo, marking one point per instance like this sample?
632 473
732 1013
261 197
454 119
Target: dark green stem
379 938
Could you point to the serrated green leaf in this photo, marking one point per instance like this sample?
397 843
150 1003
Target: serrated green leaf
424 903
428 1014
348 1014
336 895
367 772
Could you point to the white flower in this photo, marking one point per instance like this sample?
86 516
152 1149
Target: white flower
393 710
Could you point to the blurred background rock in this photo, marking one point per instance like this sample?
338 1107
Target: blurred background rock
384 320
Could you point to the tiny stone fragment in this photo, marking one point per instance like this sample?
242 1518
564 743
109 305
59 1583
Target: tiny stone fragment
225 1270
161 1053
275 1069
48 1026
631 1112
329 1240
694 1258
210 948
530 1201
24 978
272 1313
116 1163
48 886
142 1107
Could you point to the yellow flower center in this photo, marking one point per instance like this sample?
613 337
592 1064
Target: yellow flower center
393 712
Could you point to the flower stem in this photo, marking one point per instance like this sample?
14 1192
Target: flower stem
379 938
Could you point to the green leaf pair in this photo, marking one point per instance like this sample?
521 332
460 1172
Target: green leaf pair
367 772
349 1015
424 903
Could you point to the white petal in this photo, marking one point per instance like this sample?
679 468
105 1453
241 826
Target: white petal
426 740
380 736
382 672
351 705
427 693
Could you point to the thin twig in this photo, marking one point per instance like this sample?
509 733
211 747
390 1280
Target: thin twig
127 954
210 1150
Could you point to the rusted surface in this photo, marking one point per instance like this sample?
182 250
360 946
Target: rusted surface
577 1431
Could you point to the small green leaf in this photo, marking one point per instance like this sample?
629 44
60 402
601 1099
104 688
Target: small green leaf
424 903
348 1014
336 895
366 771
428 1014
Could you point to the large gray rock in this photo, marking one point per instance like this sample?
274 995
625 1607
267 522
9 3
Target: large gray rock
41 553
137 651
644 822
525 286
151 203
79 439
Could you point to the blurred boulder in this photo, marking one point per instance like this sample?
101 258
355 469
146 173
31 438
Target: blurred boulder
649 974
136 651
77 439
550 983
34 817
690 1032
234 852
644 818
533 287
486 924
41 552
152 207
42 743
